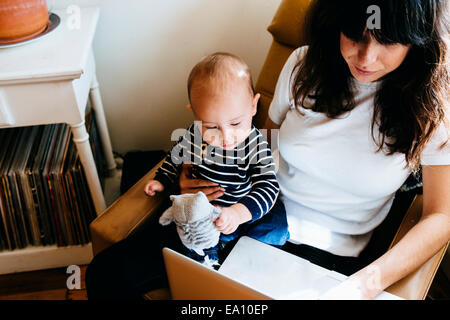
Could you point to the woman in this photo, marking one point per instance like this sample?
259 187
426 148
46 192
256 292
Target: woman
358 111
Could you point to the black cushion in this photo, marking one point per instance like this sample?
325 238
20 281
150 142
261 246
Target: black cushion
136 164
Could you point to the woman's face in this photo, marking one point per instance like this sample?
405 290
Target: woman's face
368 60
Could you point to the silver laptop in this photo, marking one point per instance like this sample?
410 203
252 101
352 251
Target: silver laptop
191 280
253 270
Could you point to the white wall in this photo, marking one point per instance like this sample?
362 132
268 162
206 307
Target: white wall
145 49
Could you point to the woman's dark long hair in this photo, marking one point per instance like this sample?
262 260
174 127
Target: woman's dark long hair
412 100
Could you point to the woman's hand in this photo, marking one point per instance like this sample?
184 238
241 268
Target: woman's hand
231 217
363 285
349 289
188 185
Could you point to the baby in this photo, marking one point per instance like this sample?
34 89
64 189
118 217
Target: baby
224 147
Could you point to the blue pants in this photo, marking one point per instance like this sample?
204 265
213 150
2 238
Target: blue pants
272 228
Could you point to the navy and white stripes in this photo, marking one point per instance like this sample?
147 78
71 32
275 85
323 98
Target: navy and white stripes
247 172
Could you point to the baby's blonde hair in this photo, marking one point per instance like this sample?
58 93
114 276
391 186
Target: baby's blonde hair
220 66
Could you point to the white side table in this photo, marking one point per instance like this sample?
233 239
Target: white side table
50 81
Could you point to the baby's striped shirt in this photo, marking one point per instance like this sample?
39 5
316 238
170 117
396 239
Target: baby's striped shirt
247 172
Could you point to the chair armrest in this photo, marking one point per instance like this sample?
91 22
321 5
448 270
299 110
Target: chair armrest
123 216
415 286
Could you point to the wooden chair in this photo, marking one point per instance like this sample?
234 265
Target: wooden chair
134 209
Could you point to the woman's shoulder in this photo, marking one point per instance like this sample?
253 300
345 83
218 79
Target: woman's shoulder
301 51
296 56
291 63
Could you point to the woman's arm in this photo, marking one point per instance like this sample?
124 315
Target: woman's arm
429 235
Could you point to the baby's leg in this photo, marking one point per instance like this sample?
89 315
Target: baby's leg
272 228
213 253
193 255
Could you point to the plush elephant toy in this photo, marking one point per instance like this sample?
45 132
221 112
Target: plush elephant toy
192 214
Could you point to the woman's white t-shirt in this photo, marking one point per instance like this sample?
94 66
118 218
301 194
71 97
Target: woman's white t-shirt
335 185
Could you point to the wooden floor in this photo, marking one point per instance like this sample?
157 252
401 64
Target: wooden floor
41 285
51 285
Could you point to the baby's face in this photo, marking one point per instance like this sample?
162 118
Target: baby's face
225 113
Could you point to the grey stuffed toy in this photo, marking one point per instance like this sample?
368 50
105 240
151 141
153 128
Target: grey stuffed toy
192 214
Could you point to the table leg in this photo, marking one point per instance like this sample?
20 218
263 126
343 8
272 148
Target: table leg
81 139
97 105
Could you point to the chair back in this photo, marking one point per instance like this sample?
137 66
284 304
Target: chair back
287 32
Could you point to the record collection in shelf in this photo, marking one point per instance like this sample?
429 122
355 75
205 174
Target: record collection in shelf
44 196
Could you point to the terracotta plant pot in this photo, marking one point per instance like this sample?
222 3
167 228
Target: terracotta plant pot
22 19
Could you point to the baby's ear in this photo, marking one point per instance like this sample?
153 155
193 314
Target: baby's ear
166 217
255 103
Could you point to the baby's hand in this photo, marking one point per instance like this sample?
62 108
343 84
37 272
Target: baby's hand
152 187
230 218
